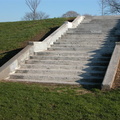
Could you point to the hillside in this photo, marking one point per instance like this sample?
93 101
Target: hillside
15 35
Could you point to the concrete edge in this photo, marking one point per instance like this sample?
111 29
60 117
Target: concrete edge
77 21
42 46
52 82
112 69
15 62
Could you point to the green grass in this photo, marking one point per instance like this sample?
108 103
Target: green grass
36 102
12 34
15 35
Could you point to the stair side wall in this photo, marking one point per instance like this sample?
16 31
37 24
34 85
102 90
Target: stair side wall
42 46
15 62
112 69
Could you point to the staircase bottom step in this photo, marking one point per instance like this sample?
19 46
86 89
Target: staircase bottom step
55 82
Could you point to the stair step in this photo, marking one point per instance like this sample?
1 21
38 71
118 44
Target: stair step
65 67
91 32
83 45
77 58
67 62
89 36
56 82
82 48
86 28
86 21
84 32
72 54
60 72
65 53
87 39
56 78
85 42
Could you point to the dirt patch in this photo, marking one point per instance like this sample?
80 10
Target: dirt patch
116 83
38 37
82 91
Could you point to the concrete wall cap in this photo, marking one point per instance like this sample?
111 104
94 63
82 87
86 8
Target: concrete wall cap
117 43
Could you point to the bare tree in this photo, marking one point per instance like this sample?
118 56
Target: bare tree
103 6
70 14
38 16
109 6
33 5
114 6
42 15
34 15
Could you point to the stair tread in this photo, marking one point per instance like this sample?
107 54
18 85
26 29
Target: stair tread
58 66
69 58
25 70
54 82
56 77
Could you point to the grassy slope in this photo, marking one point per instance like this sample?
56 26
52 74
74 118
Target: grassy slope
15 35
35 102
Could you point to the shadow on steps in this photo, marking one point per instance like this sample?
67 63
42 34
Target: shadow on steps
101 64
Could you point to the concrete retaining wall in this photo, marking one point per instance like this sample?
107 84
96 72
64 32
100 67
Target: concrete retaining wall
41 46
112 68
33 47
15 62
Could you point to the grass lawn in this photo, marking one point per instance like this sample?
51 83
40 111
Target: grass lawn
15 35
20 101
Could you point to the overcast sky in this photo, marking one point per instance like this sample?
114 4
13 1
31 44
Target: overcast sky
14 10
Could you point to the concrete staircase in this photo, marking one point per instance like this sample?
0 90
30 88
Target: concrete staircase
81 56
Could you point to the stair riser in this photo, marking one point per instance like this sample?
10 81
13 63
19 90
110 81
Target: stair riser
84 45
95 28
99 24
76 40
65 67
84 42
90 31
85 32
85 49
67 54
89 36
95 63
62 79
58 72
72 54
70 58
